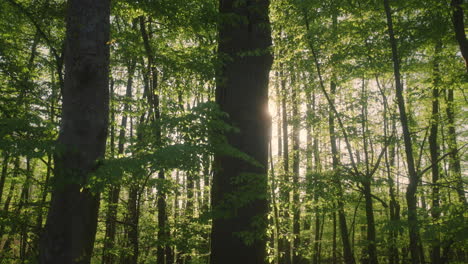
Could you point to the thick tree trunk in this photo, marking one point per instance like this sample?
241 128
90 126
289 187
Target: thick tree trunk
71 224
411 199
239 224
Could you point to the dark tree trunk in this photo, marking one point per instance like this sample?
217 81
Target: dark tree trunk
71 223
434 151
239 225
6 159
334 244
371 240
411 199
459 28
6 205
455 164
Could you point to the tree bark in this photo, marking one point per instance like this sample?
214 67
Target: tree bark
72 219
239 193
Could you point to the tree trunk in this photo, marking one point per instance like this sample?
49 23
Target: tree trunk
455 164
71 223
411 199
284 244
390 164
367 182
459 28
239 224
114 190
296 258
434 151
347 251
6 158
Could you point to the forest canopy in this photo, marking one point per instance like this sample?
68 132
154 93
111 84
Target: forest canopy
233 131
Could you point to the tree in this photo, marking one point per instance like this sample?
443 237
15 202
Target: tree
72 219
413 176
239 194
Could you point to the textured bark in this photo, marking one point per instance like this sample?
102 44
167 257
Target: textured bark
411 199
239 193
71 223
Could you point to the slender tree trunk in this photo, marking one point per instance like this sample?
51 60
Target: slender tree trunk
455 164
275 210
242 92
284 244
25 200
6 159
347 251
6 205
114 190
296 257
367 182
371 233
334 244
411 199
434 150
164 252
279 97
390 164
72 220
